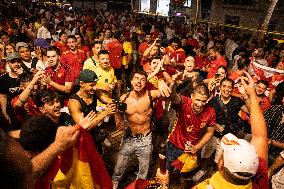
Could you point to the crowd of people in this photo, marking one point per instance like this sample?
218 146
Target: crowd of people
170 86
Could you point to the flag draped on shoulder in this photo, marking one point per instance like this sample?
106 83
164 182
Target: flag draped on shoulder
81 167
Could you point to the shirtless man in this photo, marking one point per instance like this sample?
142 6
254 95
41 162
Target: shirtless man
138 135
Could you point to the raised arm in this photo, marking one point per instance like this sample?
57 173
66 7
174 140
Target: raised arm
147 51
258 125
27 92
66 88
65 138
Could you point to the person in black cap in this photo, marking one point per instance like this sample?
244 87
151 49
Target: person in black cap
10 87
85 101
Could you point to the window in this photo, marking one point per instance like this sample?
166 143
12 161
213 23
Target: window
187 3
163 7
234 20
144 5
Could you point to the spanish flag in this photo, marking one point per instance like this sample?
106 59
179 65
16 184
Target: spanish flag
81 167
185 163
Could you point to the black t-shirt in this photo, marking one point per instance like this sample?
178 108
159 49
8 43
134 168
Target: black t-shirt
65 119
227 114
9 85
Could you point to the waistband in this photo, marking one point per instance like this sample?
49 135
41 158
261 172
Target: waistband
131 135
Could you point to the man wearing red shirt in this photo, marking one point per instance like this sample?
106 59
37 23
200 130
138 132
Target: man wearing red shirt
263 100
61 44
145 45
74 58
176 54
58 78
217 60
24 104
193 117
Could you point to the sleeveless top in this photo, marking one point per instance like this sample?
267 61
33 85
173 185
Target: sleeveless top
85 107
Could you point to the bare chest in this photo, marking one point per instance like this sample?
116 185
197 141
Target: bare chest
138 106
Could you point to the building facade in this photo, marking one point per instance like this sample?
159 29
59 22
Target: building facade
247 13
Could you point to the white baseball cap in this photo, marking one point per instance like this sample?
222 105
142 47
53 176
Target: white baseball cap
239 156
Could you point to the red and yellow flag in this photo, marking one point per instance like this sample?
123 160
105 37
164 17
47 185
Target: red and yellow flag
81 167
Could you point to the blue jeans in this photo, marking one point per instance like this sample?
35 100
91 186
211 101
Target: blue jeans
172 154
142 148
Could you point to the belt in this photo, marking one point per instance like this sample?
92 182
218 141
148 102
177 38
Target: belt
131 135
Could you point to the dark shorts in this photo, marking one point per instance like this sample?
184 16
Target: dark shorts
118 73
172 154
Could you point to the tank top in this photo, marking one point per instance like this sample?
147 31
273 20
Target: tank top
85 107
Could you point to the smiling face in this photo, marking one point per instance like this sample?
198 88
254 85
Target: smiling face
198 102
104 61
138 82
260 88
189 63
88 88
226 89
52 109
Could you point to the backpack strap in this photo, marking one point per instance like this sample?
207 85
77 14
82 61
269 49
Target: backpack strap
126 97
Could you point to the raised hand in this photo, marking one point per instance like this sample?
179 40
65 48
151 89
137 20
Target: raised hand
66 137
88 121
248 84
164 89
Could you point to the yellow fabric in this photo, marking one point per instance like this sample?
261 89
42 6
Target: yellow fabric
105 77
89 65
218 182
37 25
190 162
78 177
128 50
154 80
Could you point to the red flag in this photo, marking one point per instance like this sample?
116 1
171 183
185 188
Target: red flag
81 167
